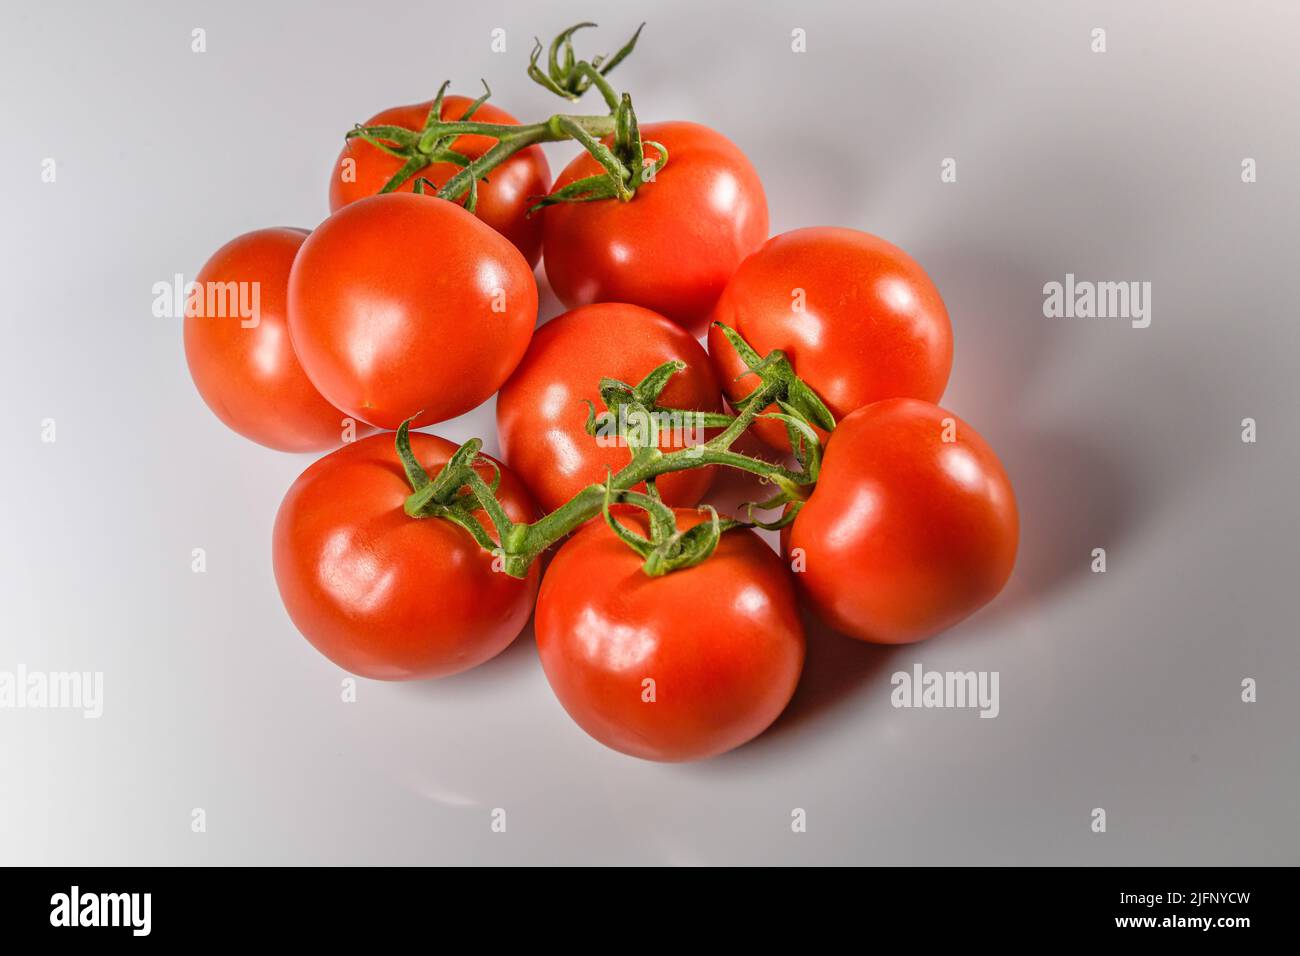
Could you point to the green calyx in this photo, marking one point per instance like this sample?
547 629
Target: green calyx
667 548
800 407
419 149
567 76
457 492
634 419
625 165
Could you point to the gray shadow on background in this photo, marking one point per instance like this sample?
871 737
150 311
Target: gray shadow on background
1072 491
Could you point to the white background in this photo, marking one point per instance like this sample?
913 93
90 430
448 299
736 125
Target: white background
1118 690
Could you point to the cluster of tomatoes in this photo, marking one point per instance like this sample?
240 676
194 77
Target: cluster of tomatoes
405 557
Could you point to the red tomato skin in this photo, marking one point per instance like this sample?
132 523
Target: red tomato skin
673 247
541 415
873 325
722 641
503 199
250 377
402 304
905 535
383 595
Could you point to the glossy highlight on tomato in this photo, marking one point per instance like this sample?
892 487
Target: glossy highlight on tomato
912 527
859 319
720 644
384 595
504 197
674 245
403 305
245 368
542 410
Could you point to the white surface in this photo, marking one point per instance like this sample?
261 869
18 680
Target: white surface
1119 690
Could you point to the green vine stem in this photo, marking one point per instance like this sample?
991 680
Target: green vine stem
459 490
624 164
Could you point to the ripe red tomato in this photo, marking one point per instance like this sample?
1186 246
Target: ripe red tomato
722 643
245 367
541 415
402 304
858 318
673 247
503 198
905 534
384 595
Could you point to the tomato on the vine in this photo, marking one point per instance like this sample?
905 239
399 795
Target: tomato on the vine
542 411
678 667
911 528
674 245
244 366
384 595
504 197
858 318
403 305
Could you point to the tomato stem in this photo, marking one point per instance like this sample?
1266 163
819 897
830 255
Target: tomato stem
567 76
458 490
